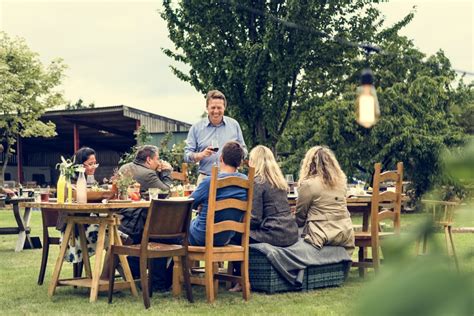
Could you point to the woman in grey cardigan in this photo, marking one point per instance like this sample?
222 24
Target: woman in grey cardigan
271 221
321 206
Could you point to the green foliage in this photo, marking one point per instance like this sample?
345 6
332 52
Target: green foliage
27 90
175 156
416 126
142 137
68 167
79 105
258 62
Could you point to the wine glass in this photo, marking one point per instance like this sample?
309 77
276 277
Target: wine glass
215 145
291 183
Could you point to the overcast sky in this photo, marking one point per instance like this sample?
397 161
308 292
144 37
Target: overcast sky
113 48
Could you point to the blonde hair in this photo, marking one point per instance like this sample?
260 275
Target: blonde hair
266 167
320 161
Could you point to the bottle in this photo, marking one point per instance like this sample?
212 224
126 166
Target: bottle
180 190
61 188
81 187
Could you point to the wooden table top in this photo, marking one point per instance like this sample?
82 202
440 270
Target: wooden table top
86 207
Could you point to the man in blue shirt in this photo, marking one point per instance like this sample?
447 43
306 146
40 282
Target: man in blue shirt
206 137
230 159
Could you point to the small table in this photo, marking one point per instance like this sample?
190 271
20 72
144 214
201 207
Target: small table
24 241
106 218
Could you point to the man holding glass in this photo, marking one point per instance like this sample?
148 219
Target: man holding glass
206 137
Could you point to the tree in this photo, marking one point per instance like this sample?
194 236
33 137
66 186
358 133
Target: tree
27 89
259 62
417 124
79 105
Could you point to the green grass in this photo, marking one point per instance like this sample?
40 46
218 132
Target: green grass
19 293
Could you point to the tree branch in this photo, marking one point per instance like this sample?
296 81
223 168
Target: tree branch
290 104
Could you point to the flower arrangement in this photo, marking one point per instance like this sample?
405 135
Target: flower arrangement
68 167
122 180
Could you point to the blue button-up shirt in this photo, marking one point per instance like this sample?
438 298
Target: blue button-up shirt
201 135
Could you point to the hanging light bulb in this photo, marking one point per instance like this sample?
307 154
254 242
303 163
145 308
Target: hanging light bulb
367 105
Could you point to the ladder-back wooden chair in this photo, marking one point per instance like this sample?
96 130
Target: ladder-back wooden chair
443 216
50 219
181 176
384 205
212 255
166 219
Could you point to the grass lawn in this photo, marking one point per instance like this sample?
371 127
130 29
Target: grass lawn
19 293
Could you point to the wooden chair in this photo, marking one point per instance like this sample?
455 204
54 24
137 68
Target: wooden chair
181 176
390 209
50 218
212 255
443 214
166 219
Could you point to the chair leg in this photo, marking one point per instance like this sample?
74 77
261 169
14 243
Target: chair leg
177 270
425 243
376 258
150 269
186 278
44 260
245 281
361 259
209 281
230 271
144 282
111 271
446 237
453 248
215 269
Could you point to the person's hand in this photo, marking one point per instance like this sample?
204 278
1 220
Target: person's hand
164 165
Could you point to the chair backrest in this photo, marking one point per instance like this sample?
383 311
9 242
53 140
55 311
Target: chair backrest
167 219
181 176
214 206
391 201
442 211
50 217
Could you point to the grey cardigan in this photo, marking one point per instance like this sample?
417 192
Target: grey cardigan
272 221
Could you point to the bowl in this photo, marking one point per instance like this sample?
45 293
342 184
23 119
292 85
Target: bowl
98 196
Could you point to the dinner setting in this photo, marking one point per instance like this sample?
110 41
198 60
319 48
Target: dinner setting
236 157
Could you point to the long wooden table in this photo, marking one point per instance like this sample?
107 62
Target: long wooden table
106 218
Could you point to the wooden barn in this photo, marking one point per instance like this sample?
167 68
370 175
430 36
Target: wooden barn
108 130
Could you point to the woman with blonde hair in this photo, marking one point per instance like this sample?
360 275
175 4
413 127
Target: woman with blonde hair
271 220
321 206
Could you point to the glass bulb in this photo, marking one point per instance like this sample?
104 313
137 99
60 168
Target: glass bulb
367 106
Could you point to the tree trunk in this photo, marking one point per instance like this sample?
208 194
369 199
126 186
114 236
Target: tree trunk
4 166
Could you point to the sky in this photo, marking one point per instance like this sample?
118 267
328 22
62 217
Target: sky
113 48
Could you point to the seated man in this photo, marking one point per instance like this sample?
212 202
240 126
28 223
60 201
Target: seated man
148 170
231 158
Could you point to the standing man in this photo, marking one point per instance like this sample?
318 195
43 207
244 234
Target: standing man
207 137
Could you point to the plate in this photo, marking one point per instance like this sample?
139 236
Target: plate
120 201
178 198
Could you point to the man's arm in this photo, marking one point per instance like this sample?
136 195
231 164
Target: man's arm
191 150
155 182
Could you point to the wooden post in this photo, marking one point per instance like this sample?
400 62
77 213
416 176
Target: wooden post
76 137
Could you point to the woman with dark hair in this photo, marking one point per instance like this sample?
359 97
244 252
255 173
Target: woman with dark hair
84 156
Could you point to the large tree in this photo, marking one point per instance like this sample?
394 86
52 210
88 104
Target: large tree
257 51
27 89
417 95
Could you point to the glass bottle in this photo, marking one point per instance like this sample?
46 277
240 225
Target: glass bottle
81 187
61 188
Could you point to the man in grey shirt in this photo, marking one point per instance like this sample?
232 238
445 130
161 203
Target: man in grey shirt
206 137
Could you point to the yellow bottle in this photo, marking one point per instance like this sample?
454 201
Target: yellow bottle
61 188
69 191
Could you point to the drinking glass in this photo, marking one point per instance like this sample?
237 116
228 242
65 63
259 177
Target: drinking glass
215 145
291 183
153 193
44 192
